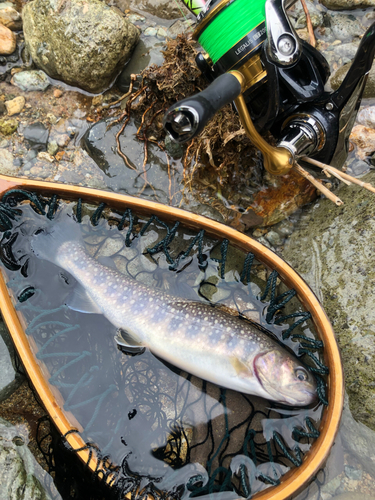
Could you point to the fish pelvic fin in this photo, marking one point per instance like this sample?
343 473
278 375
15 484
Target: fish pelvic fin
128 344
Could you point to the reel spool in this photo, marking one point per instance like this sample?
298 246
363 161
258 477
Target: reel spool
254 57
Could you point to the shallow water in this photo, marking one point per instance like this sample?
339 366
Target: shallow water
163 426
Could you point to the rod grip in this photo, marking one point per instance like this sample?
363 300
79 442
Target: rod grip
187 118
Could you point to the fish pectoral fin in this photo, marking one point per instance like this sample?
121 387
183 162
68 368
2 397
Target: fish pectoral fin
127 343
241 369
79 300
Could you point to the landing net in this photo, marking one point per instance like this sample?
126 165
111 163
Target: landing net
158 430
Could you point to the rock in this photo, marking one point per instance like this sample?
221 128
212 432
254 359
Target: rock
274 238
345 27
333 251
37 135
366 116
21 475
347 4
150 31
9 380
6 162
57 93
15 106
162 34
8 41
52 148
364 139
159 8
8 126
84 43
9 17
276 202
43 155
31 80
178 28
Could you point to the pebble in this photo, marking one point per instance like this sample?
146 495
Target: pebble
8 41
57 93
366 116
52 148
8 126
161 34
364 139
274 238
150 32
6 162
37 135
136 18
31 80
46 156
15 106
9 17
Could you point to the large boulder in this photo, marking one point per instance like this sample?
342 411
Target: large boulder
333 250
85 43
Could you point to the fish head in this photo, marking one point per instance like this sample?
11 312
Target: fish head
285 378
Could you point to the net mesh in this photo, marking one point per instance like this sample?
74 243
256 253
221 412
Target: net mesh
158 430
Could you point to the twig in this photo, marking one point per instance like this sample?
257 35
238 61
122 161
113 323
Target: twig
309 24
133 79
318 185
345 176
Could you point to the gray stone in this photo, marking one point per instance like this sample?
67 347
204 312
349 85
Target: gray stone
333 251
347 4
37 135
179 27
345 27
31 80
21 476
6 163
353 473
274 238
150 31
174 148
84 43
366 116
9 380
164 9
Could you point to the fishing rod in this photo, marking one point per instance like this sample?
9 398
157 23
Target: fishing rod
253 56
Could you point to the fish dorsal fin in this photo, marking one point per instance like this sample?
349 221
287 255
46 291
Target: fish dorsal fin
128 343
107 262
241 369
79 300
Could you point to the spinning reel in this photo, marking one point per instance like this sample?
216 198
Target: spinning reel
254 57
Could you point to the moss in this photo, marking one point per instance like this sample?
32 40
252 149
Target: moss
8 126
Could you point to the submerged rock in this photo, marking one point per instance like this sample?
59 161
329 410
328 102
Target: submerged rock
84 43
30 80
333 251
37 135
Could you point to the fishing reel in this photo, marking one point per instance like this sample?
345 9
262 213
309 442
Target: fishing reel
254 57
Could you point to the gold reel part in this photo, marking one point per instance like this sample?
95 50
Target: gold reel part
277 161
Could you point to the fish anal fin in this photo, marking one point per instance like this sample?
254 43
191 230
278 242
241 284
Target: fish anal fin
79 300
241 369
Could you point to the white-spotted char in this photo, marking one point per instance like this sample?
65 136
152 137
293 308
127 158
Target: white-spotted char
201 339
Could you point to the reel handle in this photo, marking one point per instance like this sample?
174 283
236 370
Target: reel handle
187 118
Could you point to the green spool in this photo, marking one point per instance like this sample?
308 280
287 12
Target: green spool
232 24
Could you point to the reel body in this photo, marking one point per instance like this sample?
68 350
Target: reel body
254 57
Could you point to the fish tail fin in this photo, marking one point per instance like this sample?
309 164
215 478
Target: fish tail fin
47 242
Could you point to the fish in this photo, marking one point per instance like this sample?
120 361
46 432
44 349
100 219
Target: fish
197 337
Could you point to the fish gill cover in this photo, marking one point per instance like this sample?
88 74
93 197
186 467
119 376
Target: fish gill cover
160 430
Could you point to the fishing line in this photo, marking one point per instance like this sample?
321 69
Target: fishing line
183 14
230 26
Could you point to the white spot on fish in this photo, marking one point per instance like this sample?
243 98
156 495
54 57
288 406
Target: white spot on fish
132 301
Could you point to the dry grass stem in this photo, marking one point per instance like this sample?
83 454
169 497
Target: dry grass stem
309 24
343 175
318 185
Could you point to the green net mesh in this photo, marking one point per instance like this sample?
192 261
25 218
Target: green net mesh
158 430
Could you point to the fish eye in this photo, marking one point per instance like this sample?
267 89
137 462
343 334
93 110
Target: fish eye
301 374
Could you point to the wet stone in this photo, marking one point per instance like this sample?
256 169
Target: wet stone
52 148
9 17
15 105
31 80
274 238
37 135
8 41
8 126
345 27
353 473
